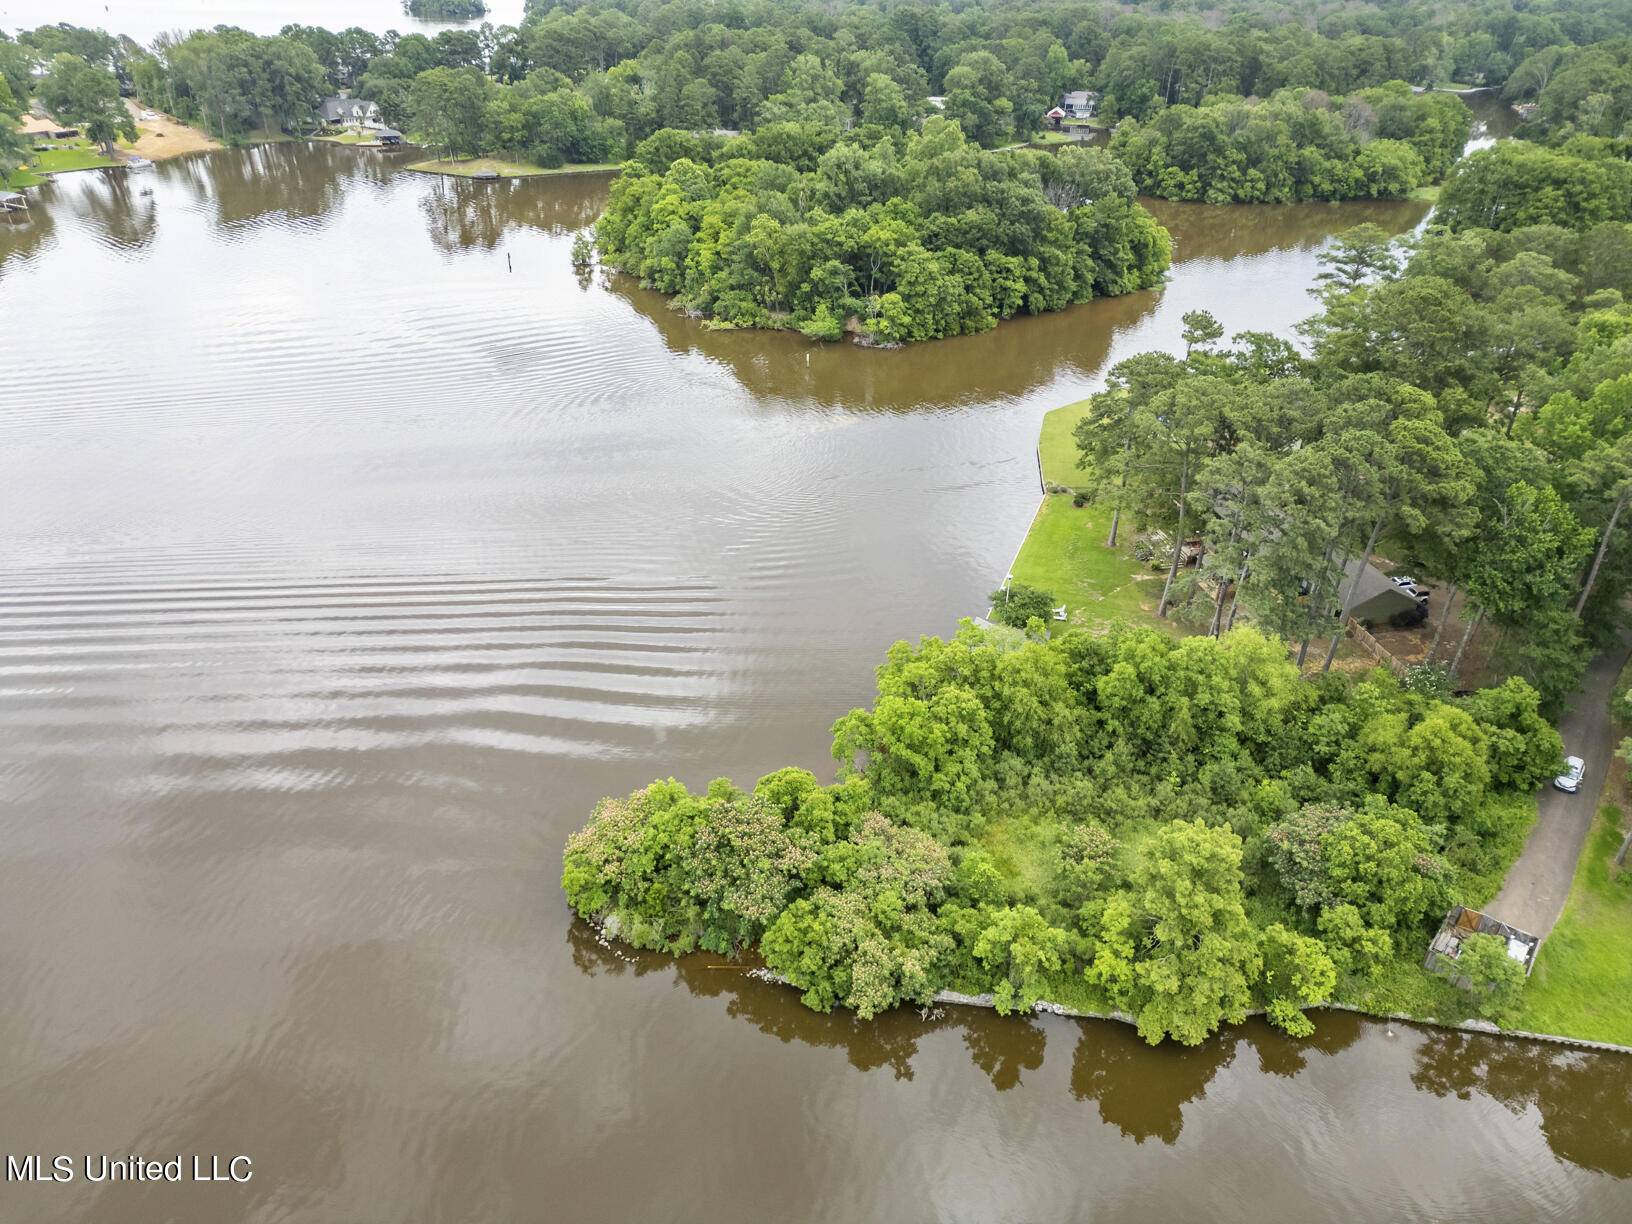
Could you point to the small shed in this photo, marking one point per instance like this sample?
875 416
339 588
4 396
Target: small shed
1376 598
12 201
389 136
1055 117
1460 922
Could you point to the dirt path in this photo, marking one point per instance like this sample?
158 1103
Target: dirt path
1532 896
165 137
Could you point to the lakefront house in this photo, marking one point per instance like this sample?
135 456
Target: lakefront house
340 111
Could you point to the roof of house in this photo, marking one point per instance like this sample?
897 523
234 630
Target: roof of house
338 108
34 125
1078 97
1376 595
386 133
1056 113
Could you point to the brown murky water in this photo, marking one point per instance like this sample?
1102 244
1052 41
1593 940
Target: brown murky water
342 567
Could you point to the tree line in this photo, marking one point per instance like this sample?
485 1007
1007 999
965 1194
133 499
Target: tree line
993 67
1298 144
898 232
1183 830
445 10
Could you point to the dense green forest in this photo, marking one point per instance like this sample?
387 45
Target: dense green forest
1298 144
916 235
1181 830
994 67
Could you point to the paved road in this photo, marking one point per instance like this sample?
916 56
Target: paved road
1532 896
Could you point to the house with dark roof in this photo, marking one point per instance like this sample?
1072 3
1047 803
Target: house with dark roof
340 111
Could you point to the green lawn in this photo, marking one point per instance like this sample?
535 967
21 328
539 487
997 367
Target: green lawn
1065 554
1065 549
1582 982
80 156
1059 448
22 178
466 167
349 138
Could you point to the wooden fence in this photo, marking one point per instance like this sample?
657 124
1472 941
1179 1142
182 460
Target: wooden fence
1374 648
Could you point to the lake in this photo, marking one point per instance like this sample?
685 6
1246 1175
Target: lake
354 546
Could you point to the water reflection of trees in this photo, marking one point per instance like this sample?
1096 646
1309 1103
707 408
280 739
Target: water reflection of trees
460 213
1022 354
1230 231
1014 358
301 182
1584 1099
1140 1091
120 207
1140 1094
24 235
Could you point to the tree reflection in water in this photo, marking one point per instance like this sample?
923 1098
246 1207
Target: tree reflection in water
460 213
304 183
120 208
1584 1099
24 235
1144 1092
1141 1095
1003 1046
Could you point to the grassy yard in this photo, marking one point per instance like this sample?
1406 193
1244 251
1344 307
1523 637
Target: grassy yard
1065 553
467 167
349 138
1583 977
1059 448
82 155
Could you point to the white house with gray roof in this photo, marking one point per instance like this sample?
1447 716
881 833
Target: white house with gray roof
340 111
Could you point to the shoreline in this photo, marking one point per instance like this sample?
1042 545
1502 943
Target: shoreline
1045 1007
504 169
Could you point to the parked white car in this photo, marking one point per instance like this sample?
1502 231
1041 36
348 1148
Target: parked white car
1570 780
150 114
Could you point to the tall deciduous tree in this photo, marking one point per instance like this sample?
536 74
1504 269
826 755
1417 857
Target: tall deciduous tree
77 92
1176 948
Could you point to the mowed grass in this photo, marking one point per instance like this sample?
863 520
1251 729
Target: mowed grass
1065 550
1059 448
1065 554
84 156
1582 982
